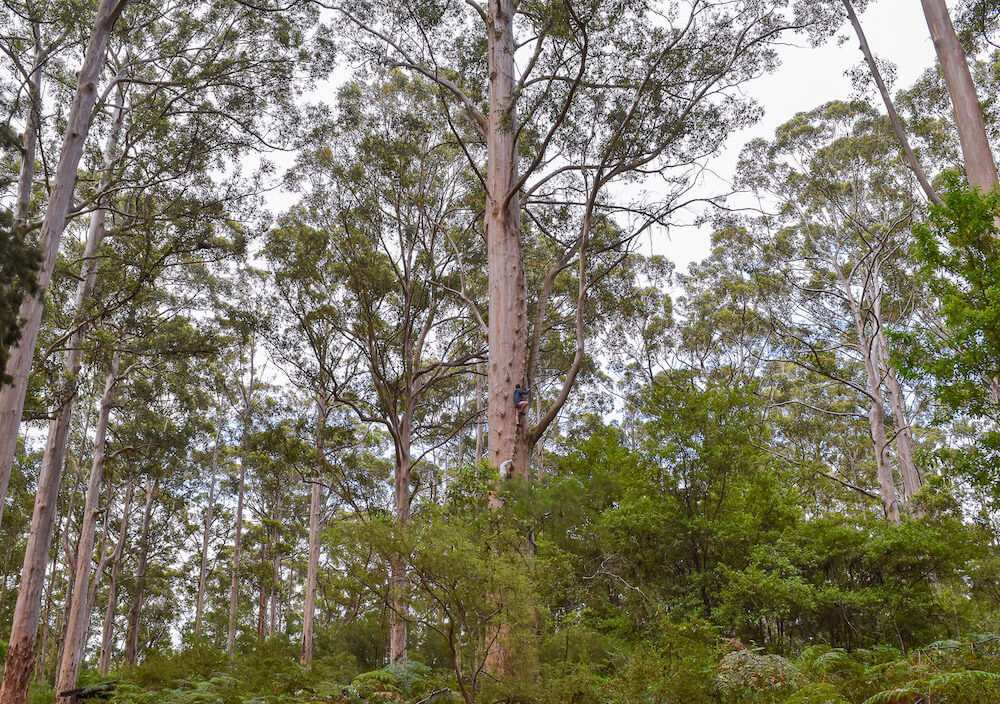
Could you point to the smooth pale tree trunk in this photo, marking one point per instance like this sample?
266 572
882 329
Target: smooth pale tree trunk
59 431
538 412
979 164
203 571
312 570
904 438
506 289
22 201
398 584
262 596
46 623
108 630
912 480
29 140
897 124
79 613
234 589
273 598
479 415
135 610
876 416
21 651
65 521
508 313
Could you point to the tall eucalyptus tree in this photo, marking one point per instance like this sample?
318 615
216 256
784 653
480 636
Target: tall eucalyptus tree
566 100
842 208
373 257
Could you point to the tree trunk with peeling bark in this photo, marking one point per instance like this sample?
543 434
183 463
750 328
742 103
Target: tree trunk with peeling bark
21 651
979 164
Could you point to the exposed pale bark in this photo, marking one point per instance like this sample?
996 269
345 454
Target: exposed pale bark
65 522
273 596
538 444
29 140
904 437
234 585
479 415
397 564
312 570
22 200
897 124
135 610
876 416
21 651
262 597
979 165
203 571
234 589
108 631
79 613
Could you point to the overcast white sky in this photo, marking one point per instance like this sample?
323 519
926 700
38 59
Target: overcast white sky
808 77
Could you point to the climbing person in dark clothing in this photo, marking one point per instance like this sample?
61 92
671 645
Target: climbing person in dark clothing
520 398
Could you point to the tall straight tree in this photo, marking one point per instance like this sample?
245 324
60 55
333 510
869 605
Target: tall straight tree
844 204
381 233
193 111
603 92
21 649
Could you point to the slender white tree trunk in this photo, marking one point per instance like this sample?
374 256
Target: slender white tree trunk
904 437
203 572
234 589
79 613
22 201
397 564
21 651
876 416
108 631
979 164
135 610
479 414
29 139
897 124
312 571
